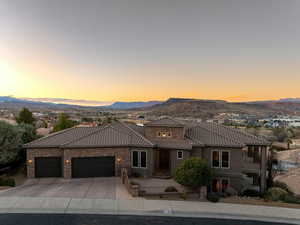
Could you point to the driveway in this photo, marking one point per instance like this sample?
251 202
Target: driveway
101 188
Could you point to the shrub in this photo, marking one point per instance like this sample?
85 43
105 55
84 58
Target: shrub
291 199
230 191
251 193
213 197
283 186
276 194
171 189
7 182
194 173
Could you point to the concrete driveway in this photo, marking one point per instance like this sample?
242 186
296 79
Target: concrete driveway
101 188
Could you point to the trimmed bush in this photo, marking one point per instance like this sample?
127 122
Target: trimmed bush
251 193
213 197
283 186
276 194
194 173
7 182
171 189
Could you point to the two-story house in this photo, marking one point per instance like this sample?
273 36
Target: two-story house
156 149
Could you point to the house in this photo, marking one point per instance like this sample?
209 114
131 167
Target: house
158 148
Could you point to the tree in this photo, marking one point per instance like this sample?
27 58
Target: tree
28 133
10 143
64 123
25 116
11 140
194 173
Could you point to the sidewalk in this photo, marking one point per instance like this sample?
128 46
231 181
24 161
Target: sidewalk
148 207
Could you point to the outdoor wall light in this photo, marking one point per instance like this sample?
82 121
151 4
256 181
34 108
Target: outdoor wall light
67 161
119 160
30 161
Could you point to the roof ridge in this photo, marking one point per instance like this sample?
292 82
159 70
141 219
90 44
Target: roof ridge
67 143
220 135
138 134
50 135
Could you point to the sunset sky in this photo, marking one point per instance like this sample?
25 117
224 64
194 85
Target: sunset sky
135 50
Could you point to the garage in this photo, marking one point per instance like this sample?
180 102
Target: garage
93 167
48 167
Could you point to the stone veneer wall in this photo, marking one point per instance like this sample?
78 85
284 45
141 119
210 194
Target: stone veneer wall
68 154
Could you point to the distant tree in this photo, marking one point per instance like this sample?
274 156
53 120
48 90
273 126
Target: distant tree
87 119
10 143
63 123
25 116
194 173
280 133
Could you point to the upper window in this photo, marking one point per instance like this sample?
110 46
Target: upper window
220 159
179 154
164 134
139 159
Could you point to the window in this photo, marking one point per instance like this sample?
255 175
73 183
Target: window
225 159
225 184
179 154
164 134
220 185
216 159
135 159
139 159
220 159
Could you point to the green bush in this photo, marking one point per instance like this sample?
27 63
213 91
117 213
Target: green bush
291 199
7 182
194 173
213 197
283 186
251 193
276 194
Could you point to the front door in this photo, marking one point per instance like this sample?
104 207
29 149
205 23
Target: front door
164 159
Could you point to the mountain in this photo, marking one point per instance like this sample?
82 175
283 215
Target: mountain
132 105
8 101
209 108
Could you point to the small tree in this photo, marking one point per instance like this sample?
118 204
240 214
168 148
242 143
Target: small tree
10 143
194 173
63 123
25 116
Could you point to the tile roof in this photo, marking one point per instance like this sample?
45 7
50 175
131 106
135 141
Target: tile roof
60 138
213 134
168 122
124 134
109 136
168 143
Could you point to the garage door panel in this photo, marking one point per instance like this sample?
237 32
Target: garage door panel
93 167
48 167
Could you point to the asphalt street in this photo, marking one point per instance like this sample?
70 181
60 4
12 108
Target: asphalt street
77 219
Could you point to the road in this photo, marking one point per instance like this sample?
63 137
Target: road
77 219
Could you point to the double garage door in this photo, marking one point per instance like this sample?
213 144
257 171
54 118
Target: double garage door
81 167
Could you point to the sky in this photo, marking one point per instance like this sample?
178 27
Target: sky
140 50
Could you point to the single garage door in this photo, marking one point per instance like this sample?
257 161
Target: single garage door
48 167
93 167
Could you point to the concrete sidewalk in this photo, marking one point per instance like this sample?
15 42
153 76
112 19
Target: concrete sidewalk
148 207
